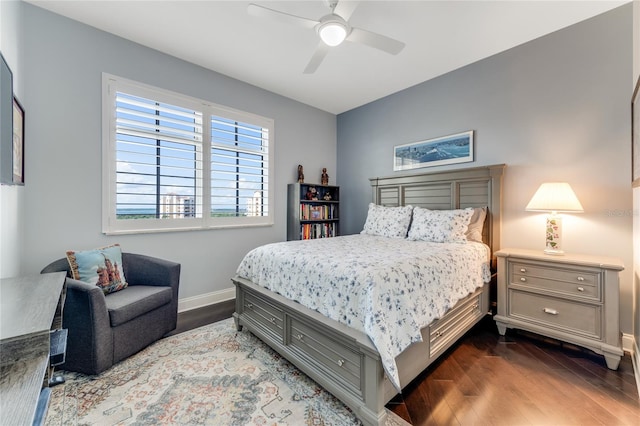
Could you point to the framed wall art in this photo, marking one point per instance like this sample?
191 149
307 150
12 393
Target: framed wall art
6 123
18 143
451 149
635 135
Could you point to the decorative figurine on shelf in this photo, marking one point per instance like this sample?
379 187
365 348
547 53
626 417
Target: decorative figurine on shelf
327 196
300 174
324 179
312 193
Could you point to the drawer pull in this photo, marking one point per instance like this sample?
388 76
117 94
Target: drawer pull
300 337
580 288
523 270
272 320
340 362
249 305
474 307
438 334
550 311
523 279
580 278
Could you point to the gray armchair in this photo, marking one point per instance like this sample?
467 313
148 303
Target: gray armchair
105 329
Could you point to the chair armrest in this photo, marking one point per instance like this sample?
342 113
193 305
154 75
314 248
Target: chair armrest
86 317
58 266
146 270
89 291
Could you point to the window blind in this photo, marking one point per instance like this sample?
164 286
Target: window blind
158 159
239 168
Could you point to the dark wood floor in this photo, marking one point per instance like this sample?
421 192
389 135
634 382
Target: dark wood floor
519 379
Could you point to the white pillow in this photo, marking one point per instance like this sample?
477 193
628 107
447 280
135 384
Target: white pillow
476 224
392 222
440 226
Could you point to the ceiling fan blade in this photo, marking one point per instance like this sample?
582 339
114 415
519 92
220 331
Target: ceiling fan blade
345 8
375 40
317 58
276 15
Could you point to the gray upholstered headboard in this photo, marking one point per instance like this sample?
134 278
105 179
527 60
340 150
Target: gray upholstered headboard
450 189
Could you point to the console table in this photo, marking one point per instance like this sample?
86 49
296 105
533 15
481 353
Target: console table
30 308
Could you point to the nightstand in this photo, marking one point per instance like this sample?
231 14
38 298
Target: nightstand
573 298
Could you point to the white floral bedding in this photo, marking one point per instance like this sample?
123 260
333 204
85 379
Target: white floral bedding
389 288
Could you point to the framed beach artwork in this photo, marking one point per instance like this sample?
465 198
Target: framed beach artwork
451 149
635 135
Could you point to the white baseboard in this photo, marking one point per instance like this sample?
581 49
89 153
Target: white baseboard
628 343
189 303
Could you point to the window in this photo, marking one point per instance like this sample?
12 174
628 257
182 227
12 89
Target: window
172 162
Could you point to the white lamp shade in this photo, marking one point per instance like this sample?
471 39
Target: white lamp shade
555 197
332 33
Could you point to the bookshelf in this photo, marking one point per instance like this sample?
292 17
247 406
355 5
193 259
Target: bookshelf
312 211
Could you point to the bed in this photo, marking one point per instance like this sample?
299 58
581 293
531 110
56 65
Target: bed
358 366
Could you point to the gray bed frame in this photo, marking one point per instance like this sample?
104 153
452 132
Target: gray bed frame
343 360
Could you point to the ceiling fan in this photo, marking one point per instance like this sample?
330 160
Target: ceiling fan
332 29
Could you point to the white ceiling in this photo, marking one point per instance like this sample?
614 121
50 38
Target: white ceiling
440 36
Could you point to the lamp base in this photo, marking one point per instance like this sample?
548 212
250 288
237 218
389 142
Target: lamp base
554 235
554 252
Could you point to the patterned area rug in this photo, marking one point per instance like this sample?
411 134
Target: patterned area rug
212 375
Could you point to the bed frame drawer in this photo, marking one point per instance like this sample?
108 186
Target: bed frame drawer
326 352
446 329
265 315
576 317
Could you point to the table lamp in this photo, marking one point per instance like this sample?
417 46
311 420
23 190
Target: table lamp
554 197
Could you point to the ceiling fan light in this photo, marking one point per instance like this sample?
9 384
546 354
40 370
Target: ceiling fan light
332 33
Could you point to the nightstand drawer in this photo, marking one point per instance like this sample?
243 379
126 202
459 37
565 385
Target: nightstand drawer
582 283
574 317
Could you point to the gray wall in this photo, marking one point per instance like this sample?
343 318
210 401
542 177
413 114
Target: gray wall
553 109
62 66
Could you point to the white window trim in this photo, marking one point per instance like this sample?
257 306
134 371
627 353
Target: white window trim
113 226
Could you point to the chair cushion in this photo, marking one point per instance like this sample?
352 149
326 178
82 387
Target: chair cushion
127 304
